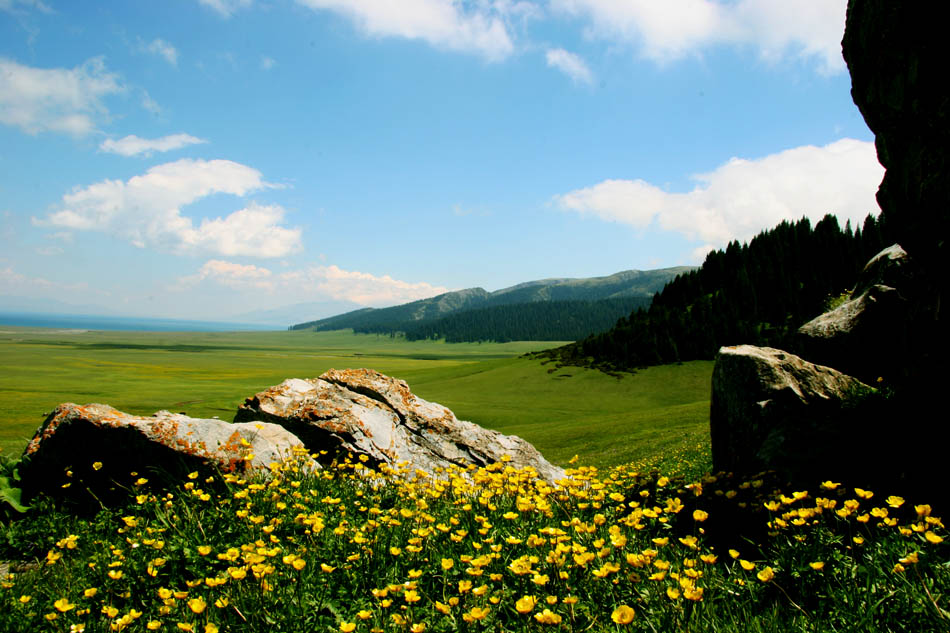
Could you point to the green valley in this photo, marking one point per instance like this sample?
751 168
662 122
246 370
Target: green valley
563 412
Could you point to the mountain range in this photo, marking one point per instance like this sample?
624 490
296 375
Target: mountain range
582 303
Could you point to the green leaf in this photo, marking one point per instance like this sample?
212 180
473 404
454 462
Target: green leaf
11 495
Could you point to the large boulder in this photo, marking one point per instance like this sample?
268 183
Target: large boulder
771 410
896 54
859 336
367 413
60 458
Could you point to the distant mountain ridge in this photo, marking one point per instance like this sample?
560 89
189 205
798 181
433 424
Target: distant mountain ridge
634 287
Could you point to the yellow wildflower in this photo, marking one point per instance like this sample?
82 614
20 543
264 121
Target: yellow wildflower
475 614
63 605
894 501
526 604
623 614
547 617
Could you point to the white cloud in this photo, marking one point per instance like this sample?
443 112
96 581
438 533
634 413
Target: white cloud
226 8
359 287
150 104
13 282
11 5
146 211
312 283
161 48
666 31
55 99
448 24
743 197
237 276
569 64
131 145
267 63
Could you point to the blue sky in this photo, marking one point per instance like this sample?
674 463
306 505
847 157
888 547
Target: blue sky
207 158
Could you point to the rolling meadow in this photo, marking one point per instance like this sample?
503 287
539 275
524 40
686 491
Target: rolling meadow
640 536
604 420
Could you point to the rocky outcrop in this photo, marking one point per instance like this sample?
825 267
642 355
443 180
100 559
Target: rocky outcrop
859 336
896 54
161 448
368 413
771 410
894 325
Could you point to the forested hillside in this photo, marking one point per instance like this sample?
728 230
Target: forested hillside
542 310
757 293
536 321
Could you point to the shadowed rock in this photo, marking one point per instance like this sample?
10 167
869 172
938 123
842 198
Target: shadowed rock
772 410
859 336
161 448
368 413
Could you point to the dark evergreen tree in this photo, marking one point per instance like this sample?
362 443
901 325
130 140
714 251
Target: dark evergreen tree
757 293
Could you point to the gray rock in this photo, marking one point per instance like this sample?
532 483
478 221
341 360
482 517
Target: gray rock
864 335
772 410
162 448
368 413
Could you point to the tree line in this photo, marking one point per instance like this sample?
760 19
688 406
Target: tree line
757 293
534 321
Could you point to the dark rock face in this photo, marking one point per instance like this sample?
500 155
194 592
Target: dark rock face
894 326
896 54
858 336
772 410
367 413
161 448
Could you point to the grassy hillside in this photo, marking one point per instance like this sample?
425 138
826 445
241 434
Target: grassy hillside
620 549
605 420
627 285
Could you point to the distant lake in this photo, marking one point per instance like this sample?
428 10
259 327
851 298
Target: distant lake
89 322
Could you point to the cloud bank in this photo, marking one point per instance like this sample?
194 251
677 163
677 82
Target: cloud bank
55 99
569 64
667 31
161 48
448 24
146 211
133 145
741 198
226 8
314 282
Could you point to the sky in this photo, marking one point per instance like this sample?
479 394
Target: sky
203 159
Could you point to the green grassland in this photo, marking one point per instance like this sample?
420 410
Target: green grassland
566 411
352 550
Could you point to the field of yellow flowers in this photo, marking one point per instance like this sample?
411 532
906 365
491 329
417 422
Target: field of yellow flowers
357 548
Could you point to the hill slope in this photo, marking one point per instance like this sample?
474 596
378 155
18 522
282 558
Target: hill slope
757 293
583 306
